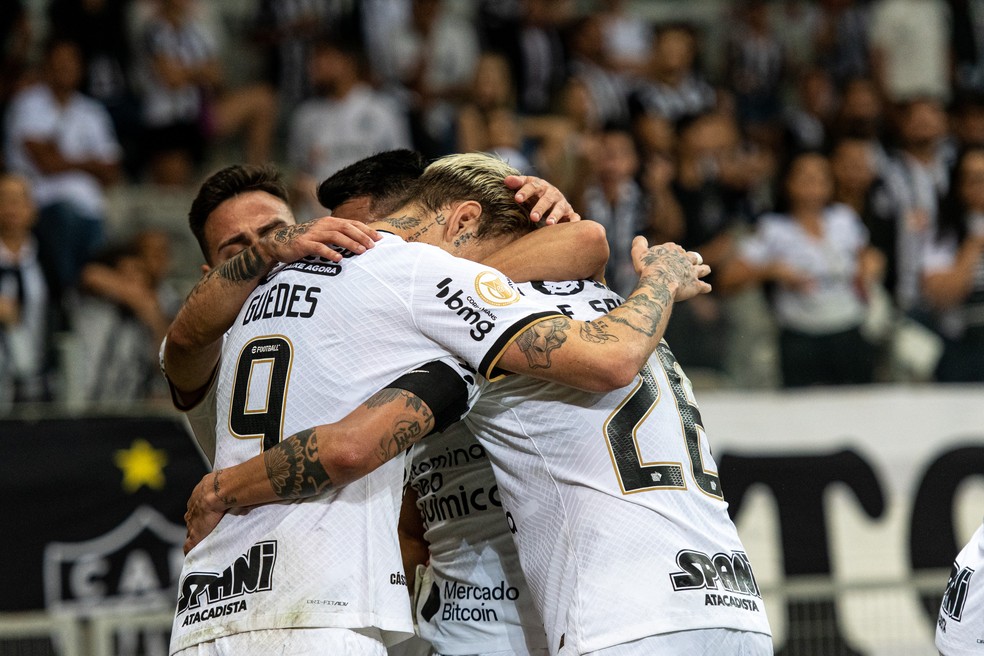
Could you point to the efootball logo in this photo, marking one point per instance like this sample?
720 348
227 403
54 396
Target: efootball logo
492 289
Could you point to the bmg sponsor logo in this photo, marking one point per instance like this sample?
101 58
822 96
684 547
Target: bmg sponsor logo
481 320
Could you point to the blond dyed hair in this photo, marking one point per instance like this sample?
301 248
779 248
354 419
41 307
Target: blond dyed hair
478 177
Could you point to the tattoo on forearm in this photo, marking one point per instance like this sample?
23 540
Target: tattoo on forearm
247 265
289 233
293 467
597 332
537 341
228 501
404 434
643 311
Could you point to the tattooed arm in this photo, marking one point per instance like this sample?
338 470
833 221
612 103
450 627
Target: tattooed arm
194 339
607 353
312 460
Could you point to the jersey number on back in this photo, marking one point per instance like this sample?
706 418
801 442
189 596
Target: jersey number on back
634 475
259 389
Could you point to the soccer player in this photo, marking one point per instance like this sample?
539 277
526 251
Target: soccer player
292 294
581 464
958 627
459 529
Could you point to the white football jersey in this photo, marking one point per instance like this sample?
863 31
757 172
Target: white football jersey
958 627
474 598
618 513
311 343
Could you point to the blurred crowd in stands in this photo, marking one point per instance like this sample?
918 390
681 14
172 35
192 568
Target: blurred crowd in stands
826 157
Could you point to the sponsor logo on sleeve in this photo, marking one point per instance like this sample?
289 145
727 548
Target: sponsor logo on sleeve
495 290
480 318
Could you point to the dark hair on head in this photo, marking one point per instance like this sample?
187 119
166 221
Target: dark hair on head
952 206
783 203
386 178
228 183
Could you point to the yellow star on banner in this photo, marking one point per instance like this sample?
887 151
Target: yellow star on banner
141 465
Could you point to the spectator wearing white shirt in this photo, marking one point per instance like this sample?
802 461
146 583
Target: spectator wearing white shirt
64 143
817 255
347 121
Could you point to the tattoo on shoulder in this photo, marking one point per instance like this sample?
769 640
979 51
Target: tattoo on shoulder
540 339
293 467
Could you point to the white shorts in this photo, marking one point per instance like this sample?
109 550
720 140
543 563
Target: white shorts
699 642
291 642
960 625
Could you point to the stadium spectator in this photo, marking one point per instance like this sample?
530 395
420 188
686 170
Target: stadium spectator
15 45
589 66
967 118
910 49
435 55
101 30
673 87
534 46
627 37
861 114
816 253
65 144
187 105
953 274
755 71
808 119
841 39
858 185
120 321
917 176
25 313
613 197
346 121
286 30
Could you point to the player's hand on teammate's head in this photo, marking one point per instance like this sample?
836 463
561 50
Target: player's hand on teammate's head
544 200
316 238
669 264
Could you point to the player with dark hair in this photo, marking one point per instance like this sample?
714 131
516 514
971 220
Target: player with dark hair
262 217
374 186
644 488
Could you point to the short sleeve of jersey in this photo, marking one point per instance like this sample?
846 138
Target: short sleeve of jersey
471 310
201 415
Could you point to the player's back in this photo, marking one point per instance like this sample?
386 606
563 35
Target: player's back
474 598
620 521
312 342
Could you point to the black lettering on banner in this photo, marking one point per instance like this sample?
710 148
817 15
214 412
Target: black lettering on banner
621 429
264 362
